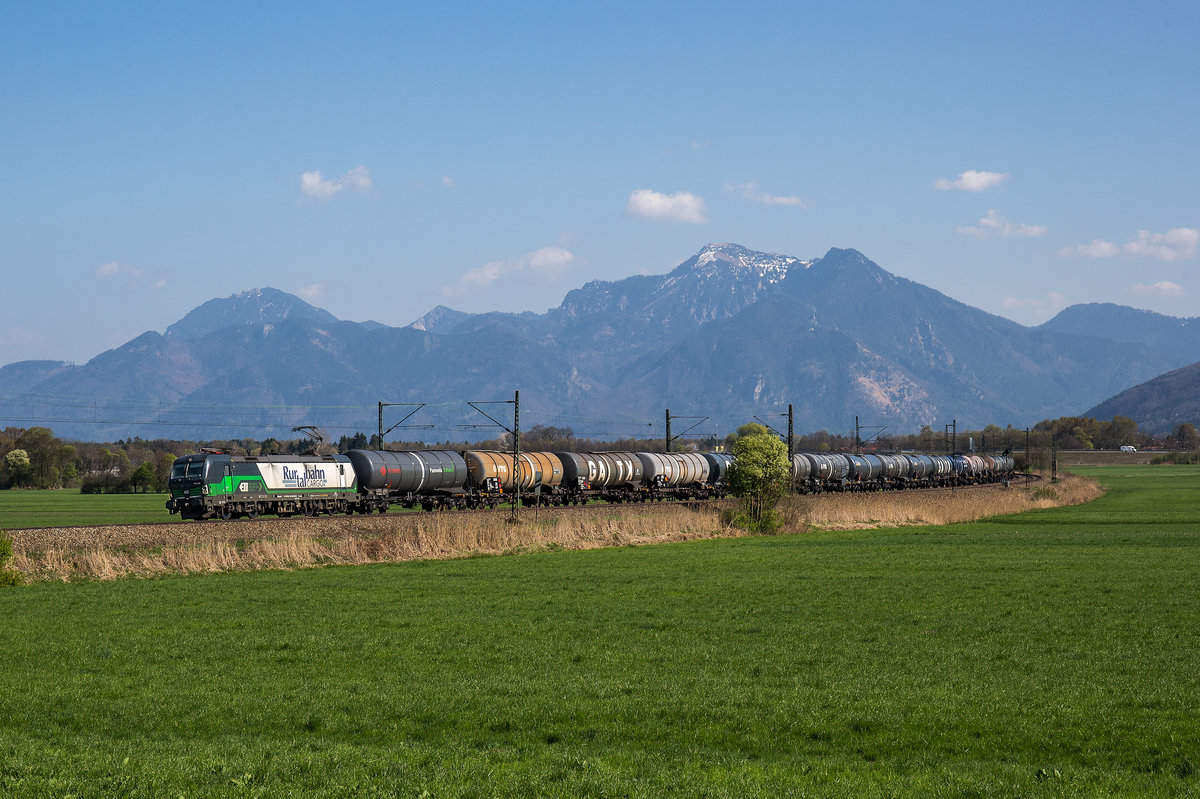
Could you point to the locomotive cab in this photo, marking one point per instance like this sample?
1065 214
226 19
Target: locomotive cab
189 483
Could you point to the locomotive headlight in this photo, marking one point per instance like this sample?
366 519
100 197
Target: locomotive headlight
204 489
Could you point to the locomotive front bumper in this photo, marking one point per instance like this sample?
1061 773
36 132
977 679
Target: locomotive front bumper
187 506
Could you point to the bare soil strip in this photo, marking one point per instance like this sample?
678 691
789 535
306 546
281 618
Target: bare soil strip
150 550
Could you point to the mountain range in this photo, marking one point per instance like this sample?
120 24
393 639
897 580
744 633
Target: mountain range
730 334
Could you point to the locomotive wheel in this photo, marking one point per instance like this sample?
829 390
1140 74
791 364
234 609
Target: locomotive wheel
226 512
252 511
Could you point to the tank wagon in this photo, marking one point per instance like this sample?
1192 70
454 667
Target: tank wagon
218 485
816 472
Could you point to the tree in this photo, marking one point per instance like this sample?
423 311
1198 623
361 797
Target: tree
143 477
1186 437
551 439
47 457
759 477
750 429
17 463
1121 430
356 441
163 461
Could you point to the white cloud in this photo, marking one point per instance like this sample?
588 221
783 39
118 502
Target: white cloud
1097 249
971 180
1176 244
750 192
312 292
112 269
548 263
1043 307
161 283
994 226
314 185
681 206
447 181
1163 288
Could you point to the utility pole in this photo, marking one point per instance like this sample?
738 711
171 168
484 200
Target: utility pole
1054 461
517 453
1028 463
700 420
952 440
791 442
950 437
788 439
418 406
858 429
515 432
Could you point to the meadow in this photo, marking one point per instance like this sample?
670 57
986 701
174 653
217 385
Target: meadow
67 507
1050 653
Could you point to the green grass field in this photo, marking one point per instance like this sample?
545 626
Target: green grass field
1048 654
68 508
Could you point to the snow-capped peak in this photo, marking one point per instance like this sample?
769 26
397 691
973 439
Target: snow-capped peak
771 266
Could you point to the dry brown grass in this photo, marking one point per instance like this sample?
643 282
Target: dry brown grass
153 550
902 509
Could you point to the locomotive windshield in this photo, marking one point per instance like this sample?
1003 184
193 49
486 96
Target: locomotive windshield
187 469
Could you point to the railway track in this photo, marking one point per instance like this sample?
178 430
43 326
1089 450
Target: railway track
184 533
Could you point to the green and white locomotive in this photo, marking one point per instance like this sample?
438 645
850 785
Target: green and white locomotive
213 484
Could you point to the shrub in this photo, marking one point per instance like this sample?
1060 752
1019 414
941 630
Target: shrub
759 478
8 576
1176 458
769 523
105 484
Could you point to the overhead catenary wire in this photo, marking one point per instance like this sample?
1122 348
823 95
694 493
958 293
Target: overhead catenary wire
40 408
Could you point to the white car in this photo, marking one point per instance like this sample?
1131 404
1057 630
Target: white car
1128 448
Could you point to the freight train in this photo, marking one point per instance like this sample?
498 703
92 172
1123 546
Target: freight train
215 484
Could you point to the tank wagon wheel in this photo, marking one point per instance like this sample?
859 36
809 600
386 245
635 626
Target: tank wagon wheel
310 510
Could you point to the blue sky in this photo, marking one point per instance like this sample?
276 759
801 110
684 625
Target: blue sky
381 159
